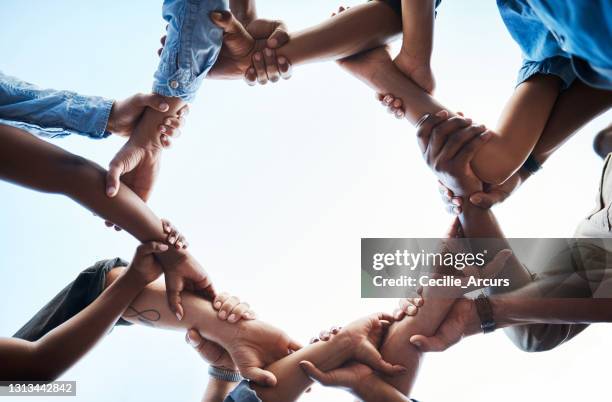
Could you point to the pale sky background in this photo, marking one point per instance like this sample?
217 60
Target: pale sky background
274 187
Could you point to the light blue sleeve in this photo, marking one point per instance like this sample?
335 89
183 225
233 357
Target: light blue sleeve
192 46
51 113
242 393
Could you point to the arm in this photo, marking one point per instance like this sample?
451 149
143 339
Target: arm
244 10
50 356
36 164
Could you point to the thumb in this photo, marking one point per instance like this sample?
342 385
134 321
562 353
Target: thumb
313 372
193 338
226 21
374 359
151 247
259 376
487 200
425 344
154 101
113 182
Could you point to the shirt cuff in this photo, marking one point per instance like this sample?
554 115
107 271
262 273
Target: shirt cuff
89 115
558 66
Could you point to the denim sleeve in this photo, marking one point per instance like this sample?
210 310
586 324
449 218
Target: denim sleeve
51 113
192 46
242 393
558 65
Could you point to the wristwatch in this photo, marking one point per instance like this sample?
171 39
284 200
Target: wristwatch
485 313
224 375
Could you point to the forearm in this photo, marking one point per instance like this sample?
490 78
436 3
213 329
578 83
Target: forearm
418 28
513 309
47 358
360 28
217 390
146 132
575 107
292 381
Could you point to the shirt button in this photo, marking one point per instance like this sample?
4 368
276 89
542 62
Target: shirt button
174 84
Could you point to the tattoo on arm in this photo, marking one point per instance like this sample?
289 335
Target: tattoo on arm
145 317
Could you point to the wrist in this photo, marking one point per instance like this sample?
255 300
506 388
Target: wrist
501 307
133 279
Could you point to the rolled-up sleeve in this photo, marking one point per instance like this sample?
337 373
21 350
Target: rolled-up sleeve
242 393
192 46
52 113
559 66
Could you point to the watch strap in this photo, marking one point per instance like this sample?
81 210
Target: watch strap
485 313
224 375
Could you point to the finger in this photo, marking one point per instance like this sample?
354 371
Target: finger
226 21
335 330
384 316
184 111
181 243
193 338
220 299
294 345
317 375
458 140
238 312
174 122
279 37
172 237
174 287
109 224
497 264
167 226
441 132
154 101
151 247
113 182
408 307
398 314
259 376
260 68
271 65
227 306
425 126
432 344
467 153
284 67
250 76
324 335
487 200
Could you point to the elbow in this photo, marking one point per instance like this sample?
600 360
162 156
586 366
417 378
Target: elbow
536 338
495 175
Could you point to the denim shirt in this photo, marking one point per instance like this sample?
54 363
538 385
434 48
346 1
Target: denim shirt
51 113
192 46
566 38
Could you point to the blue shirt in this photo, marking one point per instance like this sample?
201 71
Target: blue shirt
567 38
51 113
192 46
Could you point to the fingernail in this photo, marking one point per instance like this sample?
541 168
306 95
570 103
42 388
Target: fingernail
486 135
163 247
216 15
222 315
167 122
179 316
257 56
164 107
268 52
273 42
232 318
411 309
442 113
162 129
218 304
171 239
476 199
111 190
282 60
192 342
456 201
417 344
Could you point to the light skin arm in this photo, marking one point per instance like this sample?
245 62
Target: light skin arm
50 356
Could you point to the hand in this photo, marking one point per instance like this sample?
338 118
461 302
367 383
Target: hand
417 70
137 162
232 309
257 344
174 238
448 145
461 321
395 106
365 337
490 196
267 65
144 265
125 115
183 272
211 352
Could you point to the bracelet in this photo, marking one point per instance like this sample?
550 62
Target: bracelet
422 120
485 313
532 165
224 375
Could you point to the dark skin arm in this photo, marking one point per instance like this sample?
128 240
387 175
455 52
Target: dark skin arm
41 166
53 354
